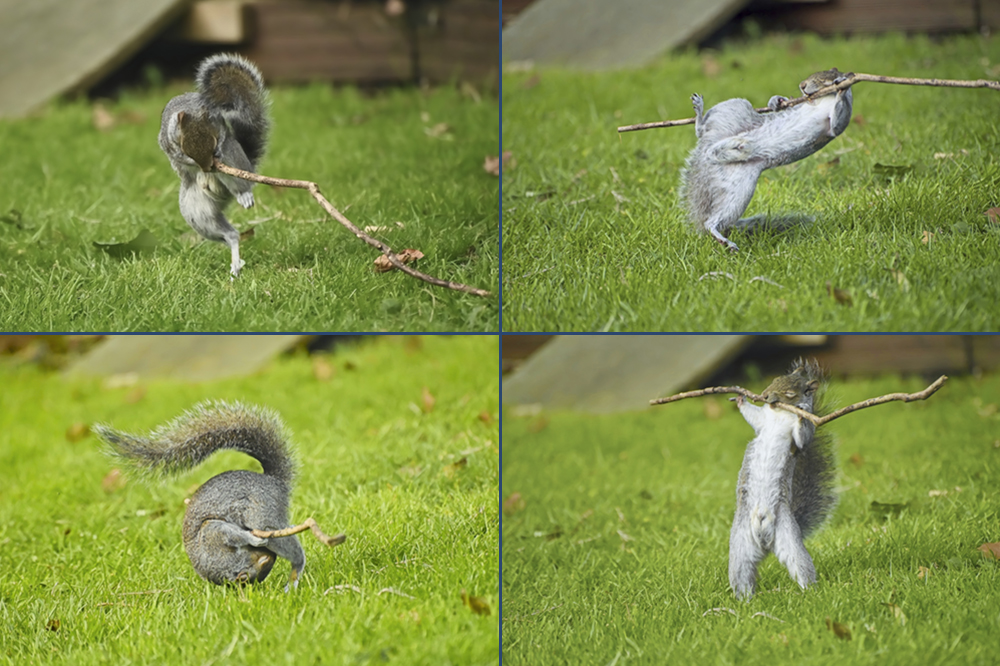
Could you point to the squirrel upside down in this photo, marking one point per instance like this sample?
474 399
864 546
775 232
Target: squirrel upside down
222 514
736 144
785 488
227 118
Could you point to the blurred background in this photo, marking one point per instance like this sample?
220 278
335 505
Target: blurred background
52 47
611 373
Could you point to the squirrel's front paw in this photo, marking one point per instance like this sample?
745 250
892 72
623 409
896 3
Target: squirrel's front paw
777 102
245 199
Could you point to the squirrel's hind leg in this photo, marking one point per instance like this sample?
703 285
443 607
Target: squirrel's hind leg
233 241
791 552
290 549
745 554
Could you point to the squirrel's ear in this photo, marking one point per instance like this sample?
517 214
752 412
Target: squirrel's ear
812 386
180 116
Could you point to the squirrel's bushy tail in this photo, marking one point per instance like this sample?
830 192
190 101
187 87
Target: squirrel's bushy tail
813 494
195 435
234 85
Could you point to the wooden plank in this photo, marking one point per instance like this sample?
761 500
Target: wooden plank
53 47
214 21
464 42
299 41
865 16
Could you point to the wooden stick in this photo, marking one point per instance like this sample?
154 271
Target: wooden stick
310 524
313 189
812 418
846 83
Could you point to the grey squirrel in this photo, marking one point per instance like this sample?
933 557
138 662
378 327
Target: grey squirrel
785 488
227 118
223 512
736 144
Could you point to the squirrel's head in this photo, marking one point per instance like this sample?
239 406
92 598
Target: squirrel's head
798 387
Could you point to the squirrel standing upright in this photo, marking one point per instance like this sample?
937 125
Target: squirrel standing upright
223 512
736 144
227 118
785 489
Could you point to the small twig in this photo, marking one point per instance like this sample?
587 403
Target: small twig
812 418
850 80
309 524
313 189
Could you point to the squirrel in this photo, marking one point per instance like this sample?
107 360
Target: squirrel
222 513
785 488
736 144
227 118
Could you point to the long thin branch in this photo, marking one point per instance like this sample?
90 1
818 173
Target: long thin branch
310 524
812 418
846 83
313 189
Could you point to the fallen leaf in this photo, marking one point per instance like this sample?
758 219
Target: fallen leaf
531 82
249 233
842 296
923 572
859 120
438 131
477 605
453 468
144 242
513 504
53 624
926 237
900 277
102 119
77 431
857 460
112 481
383 265
323 370
897 613
427 400
494 165
993 214
892 170
839 630
485 417
990 550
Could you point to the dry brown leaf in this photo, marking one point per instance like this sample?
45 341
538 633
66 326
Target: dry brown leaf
102 119
485 417
897 613
427 400
531 82
493 165
842 296
53 624
923 572
135 395
113 481
77 431
992 214
839 630
926 237
477 605
539 424
249 233
857 460
383 265
900 277
513 504
323 370
990 550
453 468
437 131
859 120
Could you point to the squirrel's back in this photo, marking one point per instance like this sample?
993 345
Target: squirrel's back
208 427
232 85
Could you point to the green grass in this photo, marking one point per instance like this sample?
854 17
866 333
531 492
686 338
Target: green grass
576 258
111 570
67 185
575 592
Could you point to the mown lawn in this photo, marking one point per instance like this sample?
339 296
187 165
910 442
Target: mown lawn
405 163
617 551
95 572
594 237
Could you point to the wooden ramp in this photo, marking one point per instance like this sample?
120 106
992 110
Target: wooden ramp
52 47
611 373
606 34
